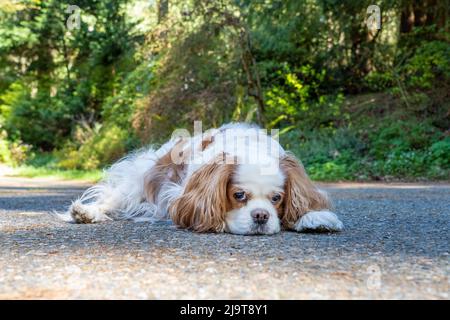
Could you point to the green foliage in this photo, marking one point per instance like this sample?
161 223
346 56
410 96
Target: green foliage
352 104
51 120
440 153
431 61
68 74
196 74
299 99
328 154
119 109
379 81
401 136
33 172
402 163
389 152
12 152
5 153
99 147
324 145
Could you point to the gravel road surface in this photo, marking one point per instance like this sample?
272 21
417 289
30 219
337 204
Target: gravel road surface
395 246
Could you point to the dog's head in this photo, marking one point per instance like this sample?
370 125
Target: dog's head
240 199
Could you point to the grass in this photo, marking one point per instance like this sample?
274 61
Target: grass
42 172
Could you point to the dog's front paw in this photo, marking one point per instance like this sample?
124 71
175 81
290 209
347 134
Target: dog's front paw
319 221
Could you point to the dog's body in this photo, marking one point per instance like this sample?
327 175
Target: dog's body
233 179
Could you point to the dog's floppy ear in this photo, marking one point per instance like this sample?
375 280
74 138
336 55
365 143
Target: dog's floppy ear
301 195
203 204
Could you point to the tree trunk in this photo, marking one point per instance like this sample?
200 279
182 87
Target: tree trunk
251 71
163 10
423 13
407 19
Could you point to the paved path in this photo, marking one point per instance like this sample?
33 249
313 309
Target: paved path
395 245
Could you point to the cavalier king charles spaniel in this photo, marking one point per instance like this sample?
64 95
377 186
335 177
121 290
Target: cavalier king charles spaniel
234 179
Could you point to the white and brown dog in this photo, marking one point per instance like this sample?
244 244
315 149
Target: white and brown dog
233 179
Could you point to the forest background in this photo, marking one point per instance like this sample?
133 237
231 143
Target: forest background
83 83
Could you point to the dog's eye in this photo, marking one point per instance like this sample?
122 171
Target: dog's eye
276 198
239 196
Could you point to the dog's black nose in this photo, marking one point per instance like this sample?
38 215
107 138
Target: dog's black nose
260 216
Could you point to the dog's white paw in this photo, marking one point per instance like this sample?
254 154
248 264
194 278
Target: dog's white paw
319 221
86 213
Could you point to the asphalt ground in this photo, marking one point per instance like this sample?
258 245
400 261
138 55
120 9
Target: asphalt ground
395 245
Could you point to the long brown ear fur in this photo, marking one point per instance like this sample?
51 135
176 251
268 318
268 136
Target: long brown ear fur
301 195
203 204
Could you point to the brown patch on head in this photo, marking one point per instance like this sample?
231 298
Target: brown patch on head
207 140
301 195
203 204
165 169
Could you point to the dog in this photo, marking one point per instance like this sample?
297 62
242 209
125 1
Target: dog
235 179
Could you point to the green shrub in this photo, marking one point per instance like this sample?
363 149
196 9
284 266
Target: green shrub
379 81
402 164
298 98
328 154
394 150
41 121
5 154
329 171
12 152
322 146
102 146
392 137
440 153
431 61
